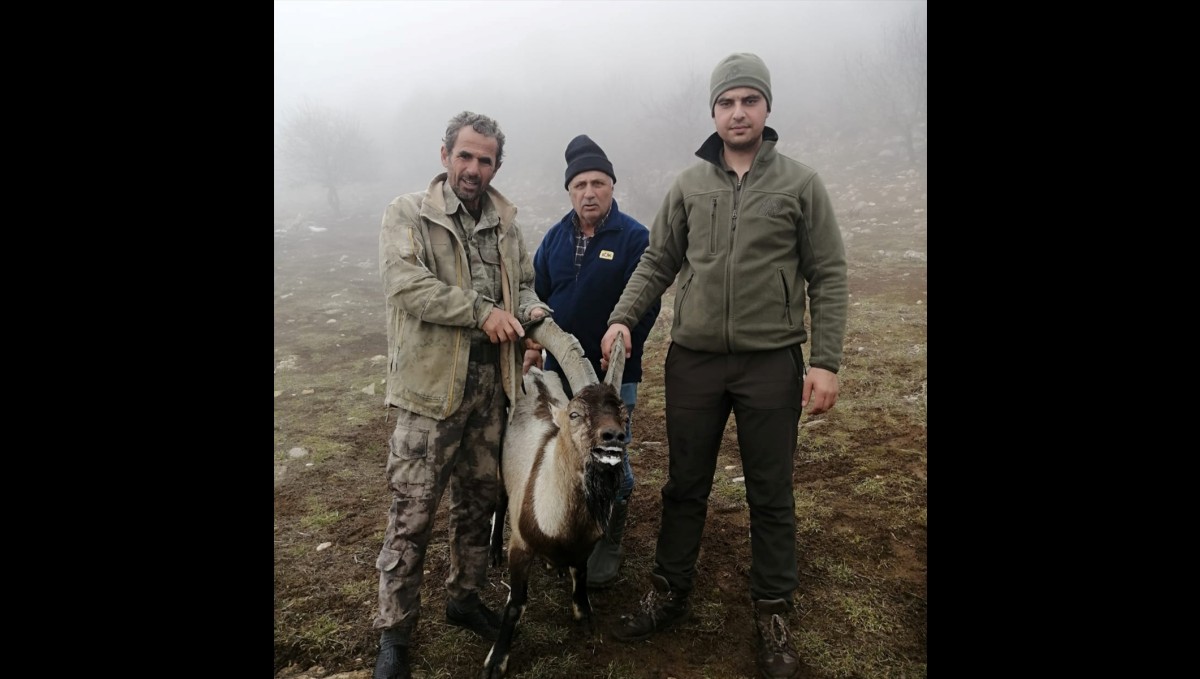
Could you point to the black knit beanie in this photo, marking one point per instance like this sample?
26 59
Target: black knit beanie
741 69
582 155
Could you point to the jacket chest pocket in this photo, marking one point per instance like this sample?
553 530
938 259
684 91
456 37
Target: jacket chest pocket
443 251
488 251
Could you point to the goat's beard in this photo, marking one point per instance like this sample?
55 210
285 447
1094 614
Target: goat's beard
601 482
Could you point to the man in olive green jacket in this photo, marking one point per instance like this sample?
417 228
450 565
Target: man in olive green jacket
747 234
459 284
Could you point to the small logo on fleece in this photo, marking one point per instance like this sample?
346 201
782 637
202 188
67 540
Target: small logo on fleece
606 254
771 207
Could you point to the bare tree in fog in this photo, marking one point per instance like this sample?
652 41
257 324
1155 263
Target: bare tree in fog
322 146
894 81
672 127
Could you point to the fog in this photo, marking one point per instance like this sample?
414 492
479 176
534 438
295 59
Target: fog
633 75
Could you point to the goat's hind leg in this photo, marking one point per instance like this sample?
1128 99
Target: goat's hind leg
518 568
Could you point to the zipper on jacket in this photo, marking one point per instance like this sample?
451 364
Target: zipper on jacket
459 235
737 198
787 298
712 228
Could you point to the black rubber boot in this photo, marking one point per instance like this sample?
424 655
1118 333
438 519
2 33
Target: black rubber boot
474 615
392 662
776 657
605 562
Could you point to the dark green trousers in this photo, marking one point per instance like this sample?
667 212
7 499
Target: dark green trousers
763 391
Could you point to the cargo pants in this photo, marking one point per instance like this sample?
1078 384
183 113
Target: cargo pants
424 457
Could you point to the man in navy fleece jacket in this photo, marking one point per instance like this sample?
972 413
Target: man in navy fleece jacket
580 270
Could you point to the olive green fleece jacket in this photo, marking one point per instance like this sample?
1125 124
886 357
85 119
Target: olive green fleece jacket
432 307
746 258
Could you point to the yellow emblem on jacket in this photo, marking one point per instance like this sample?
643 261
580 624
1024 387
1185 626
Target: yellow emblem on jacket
606 254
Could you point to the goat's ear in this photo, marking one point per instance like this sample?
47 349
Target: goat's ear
616 362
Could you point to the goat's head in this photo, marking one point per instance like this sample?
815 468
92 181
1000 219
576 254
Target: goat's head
595 421
595 418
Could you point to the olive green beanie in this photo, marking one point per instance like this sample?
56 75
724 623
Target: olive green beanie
741 69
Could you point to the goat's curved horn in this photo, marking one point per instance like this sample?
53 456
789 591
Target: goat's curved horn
567 351
616 362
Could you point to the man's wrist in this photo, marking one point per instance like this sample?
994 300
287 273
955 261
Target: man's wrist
483 309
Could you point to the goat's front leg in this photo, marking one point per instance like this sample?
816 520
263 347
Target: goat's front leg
581 605
518 567
496 548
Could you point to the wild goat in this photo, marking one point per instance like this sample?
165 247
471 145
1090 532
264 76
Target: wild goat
561 470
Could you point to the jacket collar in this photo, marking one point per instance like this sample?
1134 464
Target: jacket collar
710 150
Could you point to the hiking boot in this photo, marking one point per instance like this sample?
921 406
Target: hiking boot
392 662
605 561
474 615
660 609
776 657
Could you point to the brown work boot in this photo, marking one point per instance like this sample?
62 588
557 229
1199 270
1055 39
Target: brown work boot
776 657
660 609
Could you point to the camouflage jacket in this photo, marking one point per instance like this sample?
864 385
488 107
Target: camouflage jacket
431 305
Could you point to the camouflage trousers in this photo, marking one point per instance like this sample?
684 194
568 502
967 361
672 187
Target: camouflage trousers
424 456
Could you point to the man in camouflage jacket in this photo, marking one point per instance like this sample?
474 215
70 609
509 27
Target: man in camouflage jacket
458 282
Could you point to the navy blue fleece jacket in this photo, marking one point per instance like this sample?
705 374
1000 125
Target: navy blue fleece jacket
583 303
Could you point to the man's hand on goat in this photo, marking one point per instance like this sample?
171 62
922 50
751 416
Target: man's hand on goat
533 350
532 356
607 342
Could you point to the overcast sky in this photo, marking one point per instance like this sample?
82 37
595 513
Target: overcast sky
550 70
353 52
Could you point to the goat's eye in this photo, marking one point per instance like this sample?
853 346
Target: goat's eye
575 415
